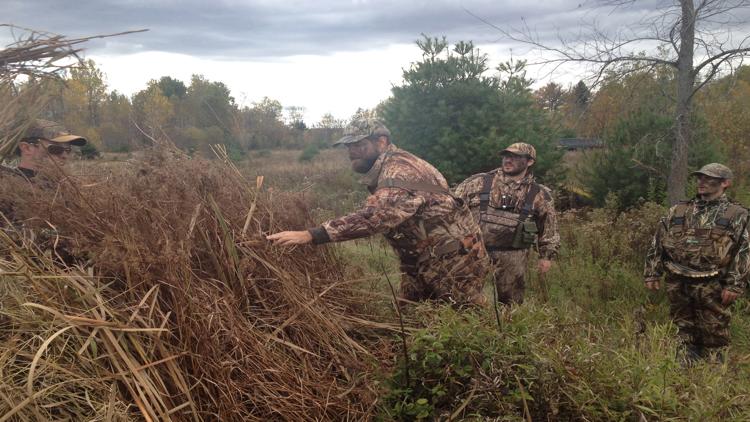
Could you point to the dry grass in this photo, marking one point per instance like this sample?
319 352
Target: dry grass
170 305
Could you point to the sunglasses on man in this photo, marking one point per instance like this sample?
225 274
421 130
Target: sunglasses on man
52 148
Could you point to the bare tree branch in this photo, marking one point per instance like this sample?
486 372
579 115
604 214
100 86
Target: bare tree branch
677 33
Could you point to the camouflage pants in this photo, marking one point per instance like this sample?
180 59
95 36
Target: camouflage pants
456 279
698 313
509 274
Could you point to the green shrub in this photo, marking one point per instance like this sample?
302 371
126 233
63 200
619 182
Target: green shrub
602 347
311 151
89 151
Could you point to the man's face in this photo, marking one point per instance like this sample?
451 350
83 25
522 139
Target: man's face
363 155
711 187
42 151
514 165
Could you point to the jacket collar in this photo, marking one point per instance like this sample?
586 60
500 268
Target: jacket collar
370 179
701 203
527 180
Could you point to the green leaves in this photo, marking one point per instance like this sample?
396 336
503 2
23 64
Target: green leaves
449 112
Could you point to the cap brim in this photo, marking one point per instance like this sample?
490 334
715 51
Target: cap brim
514 152
714 175
74 140
349 139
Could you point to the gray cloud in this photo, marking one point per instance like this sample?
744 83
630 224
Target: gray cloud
255 29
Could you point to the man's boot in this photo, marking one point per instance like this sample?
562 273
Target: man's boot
693 354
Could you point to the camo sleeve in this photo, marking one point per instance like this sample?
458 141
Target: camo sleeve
468 187
549 235
383 210
654 267
739 268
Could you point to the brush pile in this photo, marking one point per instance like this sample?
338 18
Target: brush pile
150 292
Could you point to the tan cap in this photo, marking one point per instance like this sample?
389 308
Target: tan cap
363 128
520 148
55 132
719 171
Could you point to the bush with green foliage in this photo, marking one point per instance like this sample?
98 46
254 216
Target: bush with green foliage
450 113
638 150
602 347
308 153
89 151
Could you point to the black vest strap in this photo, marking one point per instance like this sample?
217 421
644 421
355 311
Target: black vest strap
528 204
484 194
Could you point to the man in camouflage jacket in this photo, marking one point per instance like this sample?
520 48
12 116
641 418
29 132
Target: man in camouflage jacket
702 249
437 240
515 213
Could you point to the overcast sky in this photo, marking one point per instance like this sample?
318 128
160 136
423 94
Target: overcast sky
324 55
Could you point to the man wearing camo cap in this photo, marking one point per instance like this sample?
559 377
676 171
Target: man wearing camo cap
701 248
45 143
515 214
433 233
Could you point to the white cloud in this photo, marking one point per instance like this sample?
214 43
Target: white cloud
338 83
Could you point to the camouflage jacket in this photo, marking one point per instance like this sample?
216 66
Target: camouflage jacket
418 224
512 194
696 239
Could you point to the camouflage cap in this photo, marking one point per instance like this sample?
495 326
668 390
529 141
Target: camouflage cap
719 171
360 129
54 132
520 148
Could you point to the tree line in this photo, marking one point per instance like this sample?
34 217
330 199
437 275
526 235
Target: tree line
451 109
192 115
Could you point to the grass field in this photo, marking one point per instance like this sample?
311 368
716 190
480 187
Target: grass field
590 343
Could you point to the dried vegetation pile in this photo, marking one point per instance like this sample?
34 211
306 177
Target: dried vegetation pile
172 306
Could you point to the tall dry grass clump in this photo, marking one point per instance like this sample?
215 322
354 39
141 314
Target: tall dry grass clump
151 292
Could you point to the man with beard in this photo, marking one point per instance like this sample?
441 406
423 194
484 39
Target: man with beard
702 248
515 213
433 233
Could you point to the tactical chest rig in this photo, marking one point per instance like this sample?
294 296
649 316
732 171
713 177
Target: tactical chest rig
696 252
504 228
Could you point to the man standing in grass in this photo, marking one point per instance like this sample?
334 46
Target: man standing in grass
437 241
515 213
702 248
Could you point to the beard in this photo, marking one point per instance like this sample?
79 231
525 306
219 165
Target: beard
514 171
363 165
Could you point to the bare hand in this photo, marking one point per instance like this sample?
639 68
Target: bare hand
728 296
544 266
290 238
653 284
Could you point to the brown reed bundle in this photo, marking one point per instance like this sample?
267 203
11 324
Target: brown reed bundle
174 304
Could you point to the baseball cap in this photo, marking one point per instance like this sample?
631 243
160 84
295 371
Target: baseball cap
363 128
520 148
717 170
55 132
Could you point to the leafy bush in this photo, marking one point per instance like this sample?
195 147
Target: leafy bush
311 151
601 348
449 112
89 151
637 156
